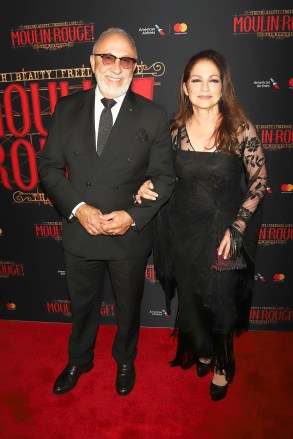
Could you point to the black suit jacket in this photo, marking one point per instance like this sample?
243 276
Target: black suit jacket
139 147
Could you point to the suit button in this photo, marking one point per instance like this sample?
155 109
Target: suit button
88 184
116 188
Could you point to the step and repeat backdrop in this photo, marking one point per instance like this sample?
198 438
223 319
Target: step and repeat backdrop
45 54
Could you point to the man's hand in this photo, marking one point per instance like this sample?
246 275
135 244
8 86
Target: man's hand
89 218
116 223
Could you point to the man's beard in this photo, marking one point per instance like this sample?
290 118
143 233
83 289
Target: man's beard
114 91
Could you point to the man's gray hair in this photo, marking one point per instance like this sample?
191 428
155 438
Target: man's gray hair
115 30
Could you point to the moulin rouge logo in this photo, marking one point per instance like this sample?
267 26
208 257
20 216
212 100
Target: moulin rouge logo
267 314
11 269
31 197
276 24
276 137
51 229
150 274
25 110
64 307
59 307
52 36
270 234
108 309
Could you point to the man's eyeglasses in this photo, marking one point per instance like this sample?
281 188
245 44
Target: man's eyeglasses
108 59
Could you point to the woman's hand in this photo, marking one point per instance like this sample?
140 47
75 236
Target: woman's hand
146 191
224 247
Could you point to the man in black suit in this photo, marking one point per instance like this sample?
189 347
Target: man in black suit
92 175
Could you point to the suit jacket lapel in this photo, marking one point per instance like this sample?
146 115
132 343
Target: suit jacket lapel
86 124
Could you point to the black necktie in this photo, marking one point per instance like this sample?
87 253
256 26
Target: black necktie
105 125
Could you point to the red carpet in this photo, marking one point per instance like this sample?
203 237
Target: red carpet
166 403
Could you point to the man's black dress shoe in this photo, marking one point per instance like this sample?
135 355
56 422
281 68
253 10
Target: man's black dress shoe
202 369
69 377
125 379
218 392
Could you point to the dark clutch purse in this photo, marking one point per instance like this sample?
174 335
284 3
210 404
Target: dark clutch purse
236 262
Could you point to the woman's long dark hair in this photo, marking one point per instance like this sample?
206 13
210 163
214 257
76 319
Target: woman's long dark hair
233 117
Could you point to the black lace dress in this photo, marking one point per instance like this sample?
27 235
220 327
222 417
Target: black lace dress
209 196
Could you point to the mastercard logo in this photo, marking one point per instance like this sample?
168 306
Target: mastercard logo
10 306
278 276
287 187
180 27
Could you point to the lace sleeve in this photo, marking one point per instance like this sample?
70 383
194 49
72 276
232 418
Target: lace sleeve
254 161
176 139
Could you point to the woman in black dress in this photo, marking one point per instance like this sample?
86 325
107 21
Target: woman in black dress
207 232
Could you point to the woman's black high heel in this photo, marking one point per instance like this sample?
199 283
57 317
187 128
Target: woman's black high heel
202 369
218 392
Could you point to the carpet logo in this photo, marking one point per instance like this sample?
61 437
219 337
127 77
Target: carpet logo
51 229
11 269
52 36
275 24
270 234
276 137
270 314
